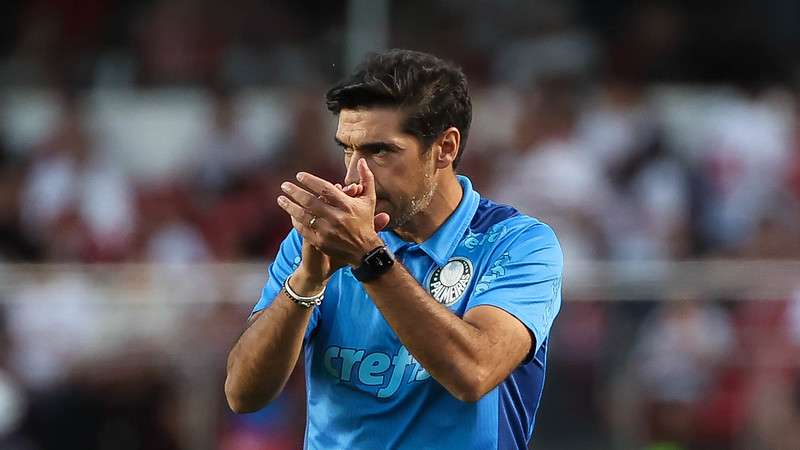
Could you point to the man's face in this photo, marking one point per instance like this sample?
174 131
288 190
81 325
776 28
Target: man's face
404 173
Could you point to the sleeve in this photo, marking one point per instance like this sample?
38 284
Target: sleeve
286 261
524 279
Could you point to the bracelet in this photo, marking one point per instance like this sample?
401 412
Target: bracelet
305 302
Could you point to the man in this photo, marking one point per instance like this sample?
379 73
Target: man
430 332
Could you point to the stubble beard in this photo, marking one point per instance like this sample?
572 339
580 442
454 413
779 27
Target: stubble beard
415 205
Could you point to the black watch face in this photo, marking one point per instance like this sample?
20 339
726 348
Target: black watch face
374 264
380 259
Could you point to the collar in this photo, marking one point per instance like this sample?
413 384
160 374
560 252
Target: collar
441 245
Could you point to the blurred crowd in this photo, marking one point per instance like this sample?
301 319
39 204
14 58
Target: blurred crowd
640 131
572 124
71 201
610 166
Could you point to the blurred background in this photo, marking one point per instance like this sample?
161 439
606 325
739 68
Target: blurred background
142 145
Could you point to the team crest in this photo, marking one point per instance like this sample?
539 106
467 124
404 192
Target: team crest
448 283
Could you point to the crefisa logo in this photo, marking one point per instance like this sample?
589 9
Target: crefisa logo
448 283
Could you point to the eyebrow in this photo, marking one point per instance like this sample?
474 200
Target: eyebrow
369 146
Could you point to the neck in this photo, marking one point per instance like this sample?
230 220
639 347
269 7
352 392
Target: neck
445 200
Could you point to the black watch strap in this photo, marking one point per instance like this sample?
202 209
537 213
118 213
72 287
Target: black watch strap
374 264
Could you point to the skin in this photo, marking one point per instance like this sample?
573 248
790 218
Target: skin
392 182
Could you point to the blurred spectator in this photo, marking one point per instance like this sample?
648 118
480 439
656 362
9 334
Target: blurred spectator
676 363
768 333
73 188
550 176
168 232
742 164
47 345
15 243
225 155
646 216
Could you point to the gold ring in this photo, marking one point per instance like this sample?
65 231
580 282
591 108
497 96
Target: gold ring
312 222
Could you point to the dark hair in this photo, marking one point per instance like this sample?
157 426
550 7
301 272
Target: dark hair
432 91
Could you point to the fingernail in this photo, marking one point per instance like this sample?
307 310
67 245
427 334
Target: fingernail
300 176
281 200
284 186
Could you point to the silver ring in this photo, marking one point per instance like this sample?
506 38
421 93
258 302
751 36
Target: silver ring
312 222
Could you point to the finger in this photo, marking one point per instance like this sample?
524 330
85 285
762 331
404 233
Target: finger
307 232
351 190
305 199
380 221
367 178
296 212
322 188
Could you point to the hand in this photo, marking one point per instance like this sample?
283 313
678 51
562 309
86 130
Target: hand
345 227
315 266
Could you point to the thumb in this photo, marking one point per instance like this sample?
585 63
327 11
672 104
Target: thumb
366 178
380 221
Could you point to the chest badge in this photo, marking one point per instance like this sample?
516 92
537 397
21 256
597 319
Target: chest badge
448 283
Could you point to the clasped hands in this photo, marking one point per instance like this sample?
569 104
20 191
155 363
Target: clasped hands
338 222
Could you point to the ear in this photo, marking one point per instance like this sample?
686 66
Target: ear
448 144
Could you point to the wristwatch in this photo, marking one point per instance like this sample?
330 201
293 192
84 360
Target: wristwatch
374 264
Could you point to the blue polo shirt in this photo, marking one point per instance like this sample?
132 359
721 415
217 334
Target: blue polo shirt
366 391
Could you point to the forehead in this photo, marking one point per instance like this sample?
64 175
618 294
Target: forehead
357 126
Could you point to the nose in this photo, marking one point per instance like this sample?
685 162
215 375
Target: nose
352 169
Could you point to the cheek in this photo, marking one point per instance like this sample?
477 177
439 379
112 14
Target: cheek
382 191
395 180
388 195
